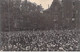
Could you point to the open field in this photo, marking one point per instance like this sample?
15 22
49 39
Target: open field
40 40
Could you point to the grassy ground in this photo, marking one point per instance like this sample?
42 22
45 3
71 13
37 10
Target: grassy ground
49 40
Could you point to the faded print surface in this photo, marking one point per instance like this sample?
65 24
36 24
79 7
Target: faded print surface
36 25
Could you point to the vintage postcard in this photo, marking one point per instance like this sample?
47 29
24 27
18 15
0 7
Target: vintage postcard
39 25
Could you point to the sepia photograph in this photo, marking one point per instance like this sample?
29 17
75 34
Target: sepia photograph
39 25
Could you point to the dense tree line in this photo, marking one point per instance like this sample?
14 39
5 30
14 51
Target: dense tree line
24 15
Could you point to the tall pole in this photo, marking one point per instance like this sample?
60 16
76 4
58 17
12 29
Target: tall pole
8 15
0 25
0 15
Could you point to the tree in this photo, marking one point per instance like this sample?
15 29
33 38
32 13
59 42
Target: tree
30 12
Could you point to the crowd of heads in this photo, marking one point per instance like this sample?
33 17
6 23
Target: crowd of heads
39 41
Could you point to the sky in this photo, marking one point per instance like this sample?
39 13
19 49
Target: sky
44 3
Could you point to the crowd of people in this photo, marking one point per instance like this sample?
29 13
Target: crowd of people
67 40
